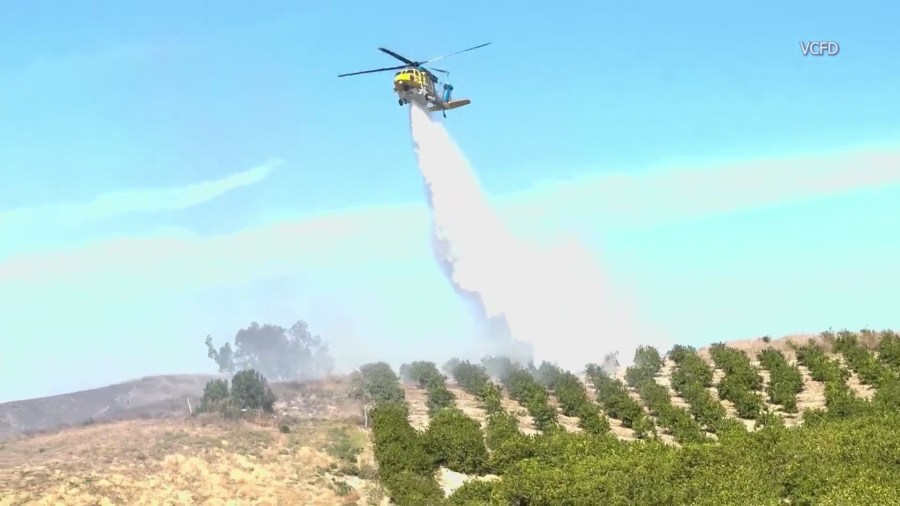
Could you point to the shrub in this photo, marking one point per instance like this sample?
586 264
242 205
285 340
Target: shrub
501 426
456 442
525 389
785 380
379 384
613 395
573 398
870 370
889 349
398 447
740 382
250 390
472 493
214 394
676 419
407 488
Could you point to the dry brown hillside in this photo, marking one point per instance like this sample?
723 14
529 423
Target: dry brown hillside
153 452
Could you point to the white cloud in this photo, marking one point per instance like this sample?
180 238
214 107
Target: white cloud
368 236
654 197
136 200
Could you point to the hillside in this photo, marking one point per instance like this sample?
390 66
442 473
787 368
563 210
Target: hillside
673 419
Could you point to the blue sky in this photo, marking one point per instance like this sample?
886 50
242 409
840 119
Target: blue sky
169 170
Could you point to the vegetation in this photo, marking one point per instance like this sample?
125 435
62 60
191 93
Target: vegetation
276 352
475 380
690 379
842 454
456 442
785 380
613 396
249 392
427 376
740 382
573 398
525 389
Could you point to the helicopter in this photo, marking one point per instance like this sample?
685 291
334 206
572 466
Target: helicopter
413 82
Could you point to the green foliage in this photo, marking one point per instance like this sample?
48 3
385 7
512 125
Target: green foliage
427 376
405 467
501 426
214 394
573 398
407 488
224 356
647 364
275 352
785 380
871 370
456 442
889 350
475 380
676 419
250 390
525 389
613 396
740 382
840 401
690 379
498 367
472 493
823 464
375 383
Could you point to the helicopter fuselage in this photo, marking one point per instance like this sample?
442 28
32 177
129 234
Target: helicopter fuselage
414 86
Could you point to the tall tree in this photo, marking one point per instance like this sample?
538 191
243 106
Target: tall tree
276 352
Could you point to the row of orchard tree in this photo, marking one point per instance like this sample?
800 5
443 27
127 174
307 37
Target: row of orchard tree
845 454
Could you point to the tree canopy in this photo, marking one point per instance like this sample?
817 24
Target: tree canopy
276 352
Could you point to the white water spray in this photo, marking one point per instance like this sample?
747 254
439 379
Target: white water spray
555 301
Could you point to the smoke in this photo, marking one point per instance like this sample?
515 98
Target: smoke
537 303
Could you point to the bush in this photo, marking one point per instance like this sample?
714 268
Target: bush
472 493
455 441
525 389
785 380
398 447
250 390
407 488
889 349
573 398
870 370
501 426
690 379
614 398
378 384
676 419
214 394
740 382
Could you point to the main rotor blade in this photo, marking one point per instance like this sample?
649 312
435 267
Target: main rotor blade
439 70
384 69
451 54
401 58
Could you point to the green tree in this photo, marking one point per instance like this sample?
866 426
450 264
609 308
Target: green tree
276 352
214 394
250 390
456 442
224 356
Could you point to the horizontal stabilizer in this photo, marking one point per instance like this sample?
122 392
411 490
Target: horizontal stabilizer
453 104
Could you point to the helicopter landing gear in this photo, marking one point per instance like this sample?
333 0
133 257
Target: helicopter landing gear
400 102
